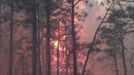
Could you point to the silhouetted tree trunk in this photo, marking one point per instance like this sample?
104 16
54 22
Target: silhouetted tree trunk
115 60
26 68
38 45
58 55
48 50
123 51
74 40
66 49
34 39
0 25
131 60
11 39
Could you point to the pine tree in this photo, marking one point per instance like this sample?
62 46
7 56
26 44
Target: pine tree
34 38
48 35
0 25
74 40
11 40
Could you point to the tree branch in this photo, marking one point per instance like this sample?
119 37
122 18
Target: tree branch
131 31
131 59
93 42
77 2
127 1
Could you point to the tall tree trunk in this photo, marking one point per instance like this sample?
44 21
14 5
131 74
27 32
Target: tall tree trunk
38 45
74 41
123 48
23 65
123 52
34 39
27 64
11 40
48 50
0 26
58 55
115 61
66 49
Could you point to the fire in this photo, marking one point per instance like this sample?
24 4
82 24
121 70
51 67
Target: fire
55 44
61 43
60 48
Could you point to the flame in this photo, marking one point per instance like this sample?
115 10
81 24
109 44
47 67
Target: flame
61 49
55 44
59 43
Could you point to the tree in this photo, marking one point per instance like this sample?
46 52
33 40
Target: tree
34 38
11 39
114 32
91 48
74 40
48 36
38 44
0 24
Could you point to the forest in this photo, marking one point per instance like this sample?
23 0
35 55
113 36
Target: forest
66 37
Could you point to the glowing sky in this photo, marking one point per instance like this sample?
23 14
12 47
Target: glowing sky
89 27
90 24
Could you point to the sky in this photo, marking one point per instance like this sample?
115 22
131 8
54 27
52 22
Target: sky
87 33
91 23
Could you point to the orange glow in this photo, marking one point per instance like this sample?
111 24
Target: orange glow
61 49
61 43
55 44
